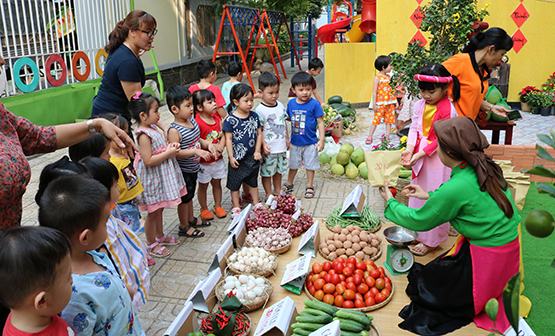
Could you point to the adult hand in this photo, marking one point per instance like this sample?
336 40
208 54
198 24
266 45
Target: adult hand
414 190
116 134
499 110
385 193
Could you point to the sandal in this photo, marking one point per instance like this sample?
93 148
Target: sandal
150 261
421 249
167 240
194 223
157 250
369 140
195 234
288 188
309 193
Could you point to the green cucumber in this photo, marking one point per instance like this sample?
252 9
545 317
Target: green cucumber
307 326
315 312
350 325
355 316
313 318
302 332
318 305
349 333
335 100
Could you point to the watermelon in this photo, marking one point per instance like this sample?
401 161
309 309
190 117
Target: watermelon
335 100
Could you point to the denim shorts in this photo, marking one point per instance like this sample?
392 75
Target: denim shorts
129 213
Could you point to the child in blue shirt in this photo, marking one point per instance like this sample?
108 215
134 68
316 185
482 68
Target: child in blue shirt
235 72
100 304
305 114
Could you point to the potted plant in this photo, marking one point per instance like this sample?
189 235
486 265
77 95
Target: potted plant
523 94
549 87
541 102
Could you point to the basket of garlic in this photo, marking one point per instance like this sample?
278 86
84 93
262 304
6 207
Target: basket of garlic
252 260
253 291
274 240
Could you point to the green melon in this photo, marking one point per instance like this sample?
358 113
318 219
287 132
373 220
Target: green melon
351 171
358 156
337 169
333 160
343 158
363 170
347 147
324 158
539 223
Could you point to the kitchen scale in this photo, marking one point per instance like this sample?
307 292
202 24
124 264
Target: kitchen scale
399 258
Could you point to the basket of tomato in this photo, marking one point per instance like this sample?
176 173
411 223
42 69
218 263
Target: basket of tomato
350 284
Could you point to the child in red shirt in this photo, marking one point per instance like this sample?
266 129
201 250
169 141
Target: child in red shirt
207 73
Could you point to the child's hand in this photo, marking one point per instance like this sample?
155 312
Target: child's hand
405 157
233 163
321 145
416 157
257 156
213 149
205 155
266 149
172 149
288 143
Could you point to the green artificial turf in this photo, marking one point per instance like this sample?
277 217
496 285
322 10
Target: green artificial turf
539 275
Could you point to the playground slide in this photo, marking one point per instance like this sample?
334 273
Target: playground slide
326 33
368 16
355 34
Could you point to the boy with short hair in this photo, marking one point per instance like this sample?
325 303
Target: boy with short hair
207 73
275 142
100 304
315 67
235 72
185 131
36 280
305 114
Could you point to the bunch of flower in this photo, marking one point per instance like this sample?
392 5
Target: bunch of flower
386 144
549 85
525 91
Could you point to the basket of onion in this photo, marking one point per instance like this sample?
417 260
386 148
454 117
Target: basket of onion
276 241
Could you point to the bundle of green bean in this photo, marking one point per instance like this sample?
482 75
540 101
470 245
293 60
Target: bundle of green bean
368 220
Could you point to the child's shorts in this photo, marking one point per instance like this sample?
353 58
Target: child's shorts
191 185
306 156
385 112
129 213
211 171
274 164
247 172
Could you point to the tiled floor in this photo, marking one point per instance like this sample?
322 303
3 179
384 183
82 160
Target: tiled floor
173 278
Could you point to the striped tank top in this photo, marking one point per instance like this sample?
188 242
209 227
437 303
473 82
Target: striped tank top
190 138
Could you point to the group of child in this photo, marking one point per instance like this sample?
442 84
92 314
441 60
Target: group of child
84 270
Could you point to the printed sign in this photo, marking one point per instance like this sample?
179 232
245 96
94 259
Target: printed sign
353 203
309 240
202 291
276 319
330 329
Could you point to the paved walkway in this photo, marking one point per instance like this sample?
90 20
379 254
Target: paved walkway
174 277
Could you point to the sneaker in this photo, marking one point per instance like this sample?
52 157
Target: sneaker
220 212
206 215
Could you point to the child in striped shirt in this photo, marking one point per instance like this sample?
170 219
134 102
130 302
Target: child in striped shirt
185 131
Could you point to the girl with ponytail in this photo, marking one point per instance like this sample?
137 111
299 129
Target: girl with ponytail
421 153
483 52
124 73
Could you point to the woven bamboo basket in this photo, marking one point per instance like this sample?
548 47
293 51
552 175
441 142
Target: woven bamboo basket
250 306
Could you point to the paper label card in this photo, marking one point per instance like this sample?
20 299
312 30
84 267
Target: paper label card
270 200
309 240
222 252
330 329
524 329
203 289
239 220
180 319
353 203
275 320
295 274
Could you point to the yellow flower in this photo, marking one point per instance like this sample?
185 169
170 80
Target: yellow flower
456 17
403 139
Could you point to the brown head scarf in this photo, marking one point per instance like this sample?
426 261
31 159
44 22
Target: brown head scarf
461 139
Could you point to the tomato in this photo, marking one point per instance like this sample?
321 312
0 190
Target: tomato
339 289
357 279
349 279
335 279
317 268
323 274
387 280
375 273
369 301
348 304
382 271
388 286
359 272
379 298
348 271
329 288
327 277
329 299
342 277
372 263
374 291
361 266
319 295
368 295
311 289
352 261
363 288
358 296
385 292
380 283
349 294
315 277
351 286
318 284
370 281
338 301
338 267
359 303
332 271
326 266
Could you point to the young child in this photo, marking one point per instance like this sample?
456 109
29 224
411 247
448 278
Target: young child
383 97
185 131
158 170
427 169
207 73
243 136
235 72
123 246
315 67
36 280
275 142
305 114
96 145
404 114
213 169
79 207
129 184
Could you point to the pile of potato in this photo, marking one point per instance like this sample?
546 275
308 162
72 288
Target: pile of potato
351 241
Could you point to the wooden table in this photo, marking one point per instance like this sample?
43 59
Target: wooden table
496 127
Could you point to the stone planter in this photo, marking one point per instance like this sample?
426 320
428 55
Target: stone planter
524 107
545 111
553 110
